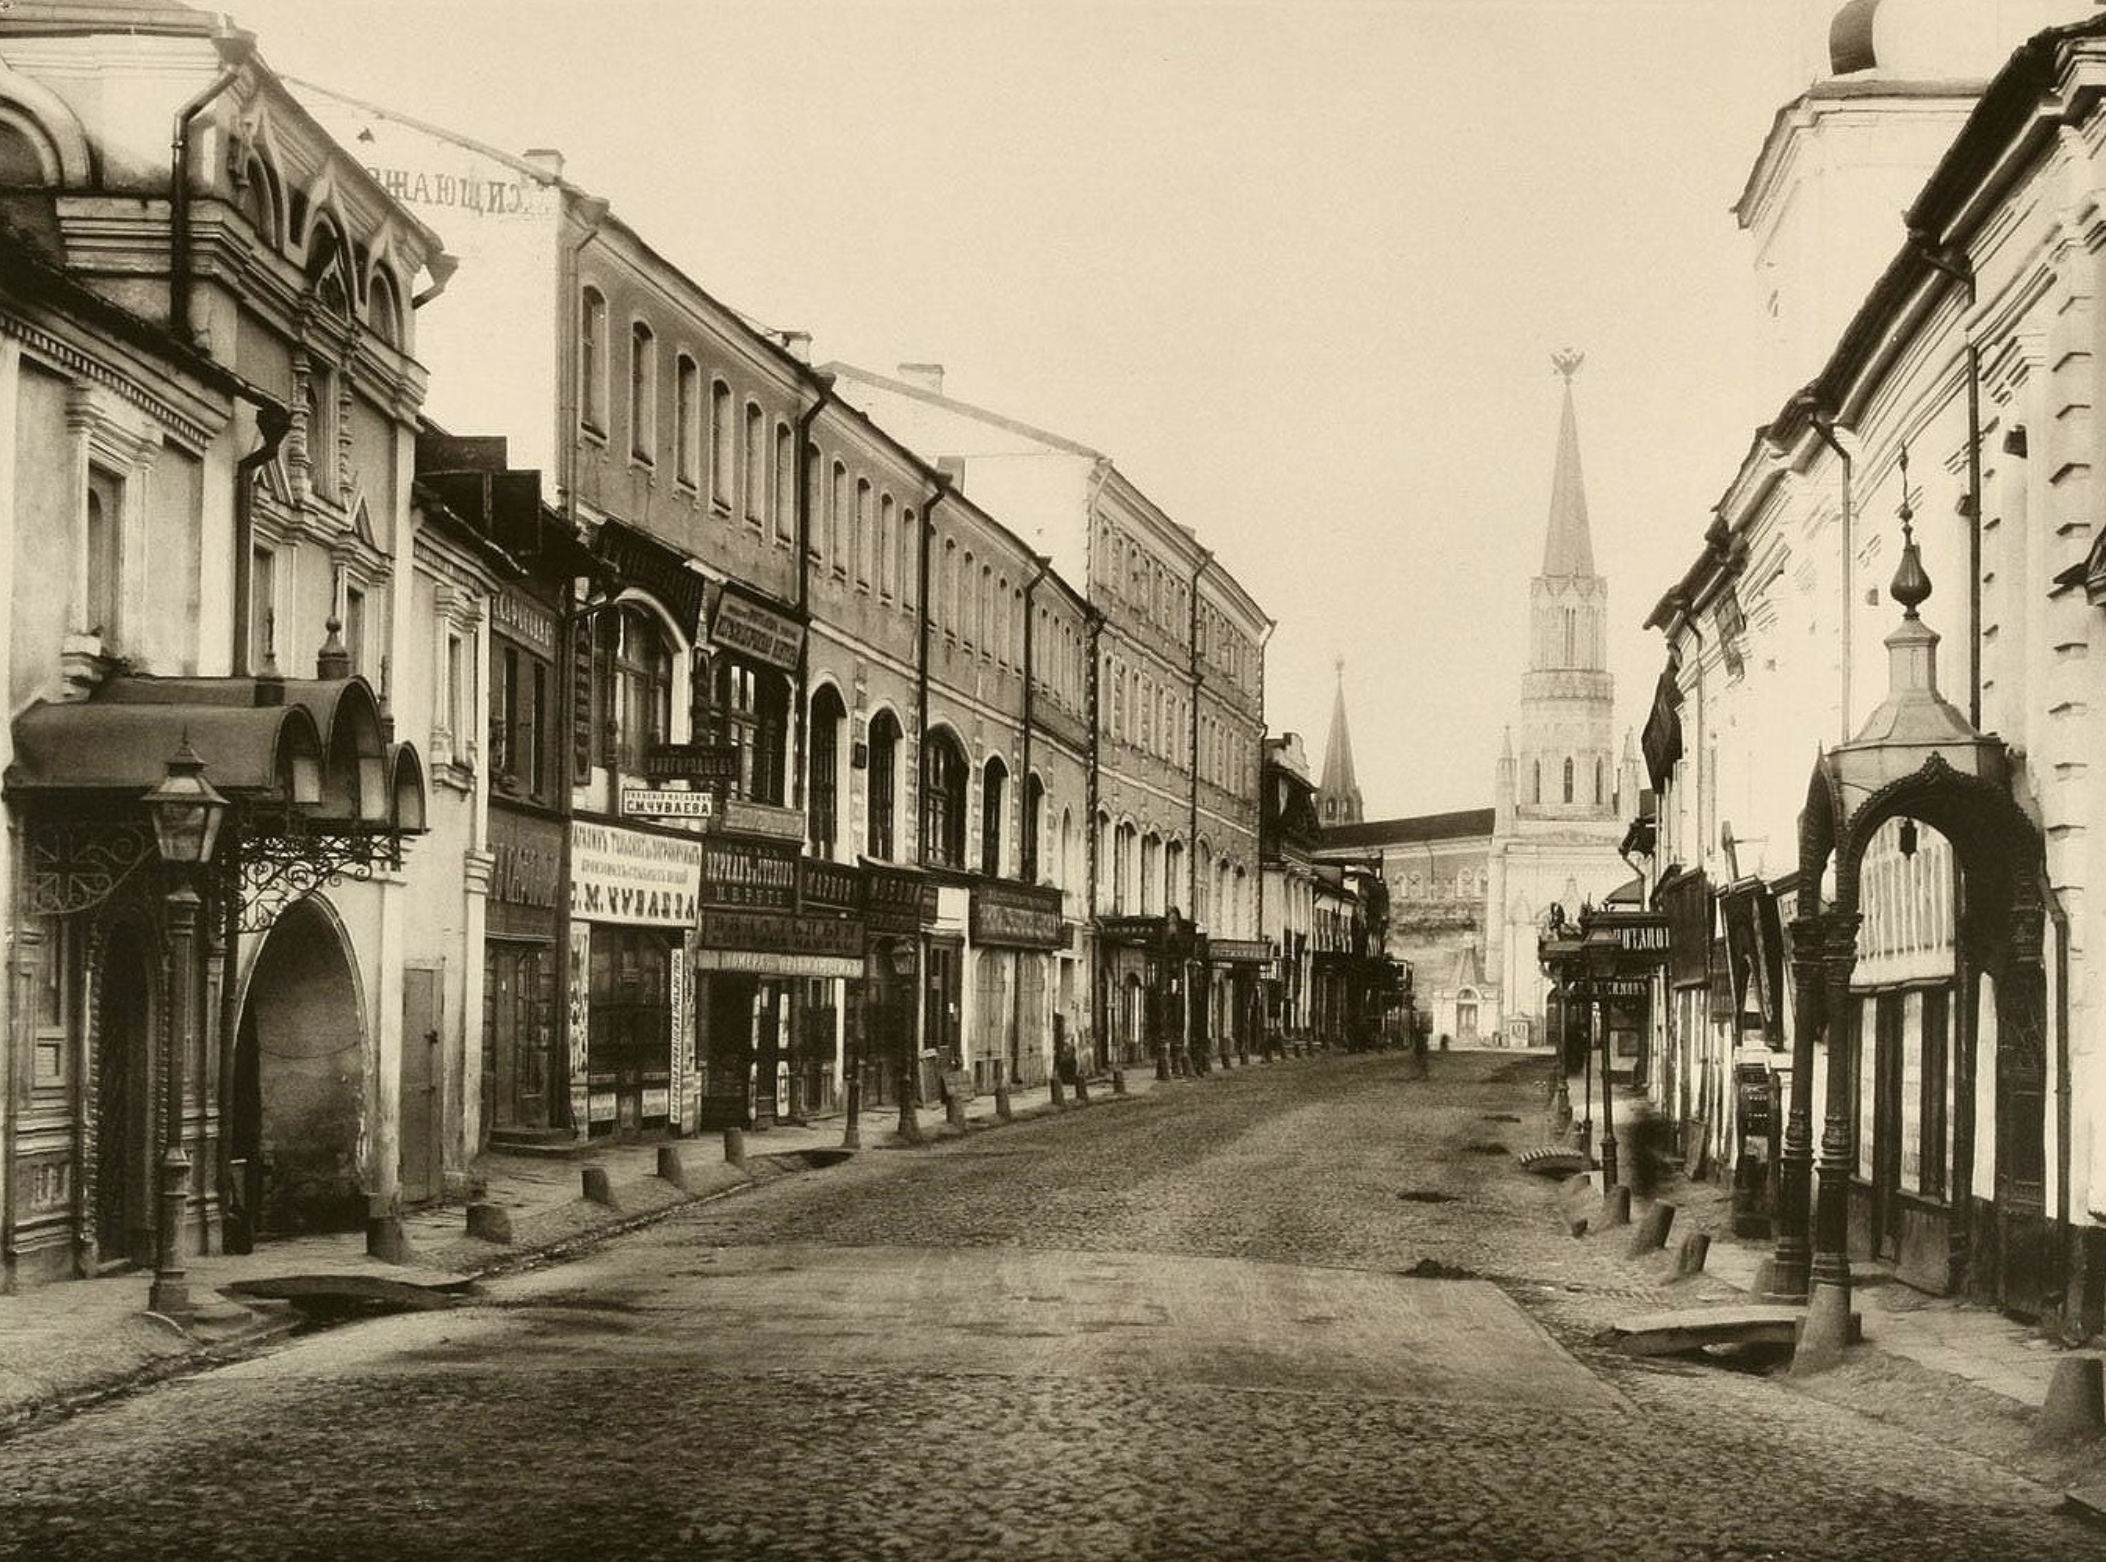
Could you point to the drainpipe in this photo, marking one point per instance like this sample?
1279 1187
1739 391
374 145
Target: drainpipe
1042 566
1824 425
939 490
273 423
1016 988
1953 262
1192 668
236 48
801 476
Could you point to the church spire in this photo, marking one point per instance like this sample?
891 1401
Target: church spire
1568 549
1338 798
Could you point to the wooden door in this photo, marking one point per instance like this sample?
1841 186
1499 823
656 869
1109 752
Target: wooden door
423 1081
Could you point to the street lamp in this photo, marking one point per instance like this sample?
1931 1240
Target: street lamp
1601 950
1559 952
186 811
906 959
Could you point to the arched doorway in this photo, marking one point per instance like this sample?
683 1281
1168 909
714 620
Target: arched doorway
299 1080
127 1006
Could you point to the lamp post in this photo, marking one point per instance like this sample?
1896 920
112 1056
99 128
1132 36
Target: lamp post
1559 952
906 960
186 811
1601 950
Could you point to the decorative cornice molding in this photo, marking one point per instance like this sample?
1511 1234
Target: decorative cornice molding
64 355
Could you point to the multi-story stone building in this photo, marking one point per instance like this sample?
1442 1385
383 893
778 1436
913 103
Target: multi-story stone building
211 395
1875 863
1177 654
1288 836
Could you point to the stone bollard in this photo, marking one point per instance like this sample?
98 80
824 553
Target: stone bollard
490 1223
385 1238
1118 1081
734 1147
1696 1247
1060 1094
954 1111
1615 1207
1082 1090
2075 1407
909 1121
1652 1230
598 1190
1003 1109
669 1167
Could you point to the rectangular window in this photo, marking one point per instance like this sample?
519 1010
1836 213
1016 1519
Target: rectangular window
504 716
355 627
455 699
263 607
687 420
104 554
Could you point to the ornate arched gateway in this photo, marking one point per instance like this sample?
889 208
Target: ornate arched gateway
314 794
1918 759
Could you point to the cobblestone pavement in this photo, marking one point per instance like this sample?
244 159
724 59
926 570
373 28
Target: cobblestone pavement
716 1386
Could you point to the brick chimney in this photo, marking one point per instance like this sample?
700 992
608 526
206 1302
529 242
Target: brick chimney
547 159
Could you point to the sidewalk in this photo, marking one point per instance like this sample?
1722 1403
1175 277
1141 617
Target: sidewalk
71 1342
1962 1374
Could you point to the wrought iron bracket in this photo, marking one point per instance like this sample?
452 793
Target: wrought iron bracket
74 865
282 866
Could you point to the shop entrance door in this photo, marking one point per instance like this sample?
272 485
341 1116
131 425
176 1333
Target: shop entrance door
124 1212
631 1036
519 1033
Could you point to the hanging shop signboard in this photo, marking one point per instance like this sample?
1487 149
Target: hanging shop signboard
742 816
1238 951
752 630
897 900
1017 916
828 886
702 764
780 932
619 875
640 802
757 874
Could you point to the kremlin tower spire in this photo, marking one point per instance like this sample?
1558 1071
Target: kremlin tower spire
1338 797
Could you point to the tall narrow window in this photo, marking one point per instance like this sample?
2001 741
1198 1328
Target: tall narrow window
887 546
1536 792
104 554
355 627
909 559
756 464
822 785
881 836
785 483
643 393
687 420
863 530
1599 780
943 802
720 446
1568 778
837 500
815 533
456 697
1027 867
592 361
993 803
263 607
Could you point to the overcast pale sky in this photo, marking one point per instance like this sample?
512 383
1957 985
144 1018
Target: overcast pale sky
1299 265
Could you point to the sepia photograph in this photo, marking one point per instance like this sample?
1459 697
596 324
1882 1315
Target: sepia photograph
1052 780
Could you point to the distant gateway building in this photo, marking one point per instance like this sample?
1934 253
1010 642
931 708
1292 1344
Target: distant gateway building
1469 889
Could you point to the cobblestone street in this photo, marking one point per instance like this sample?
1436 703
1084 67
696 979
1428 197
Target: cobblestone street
1176 1326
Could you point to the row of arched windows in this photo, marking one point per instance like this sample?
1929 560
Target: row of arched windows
1569 782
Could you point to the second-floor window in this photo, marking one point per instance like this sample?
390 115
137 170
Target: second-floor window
823 786
687 420
881 833
643 392
633 677
751 711
519 716
592 361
